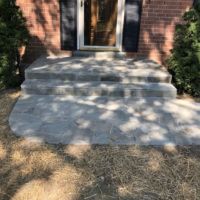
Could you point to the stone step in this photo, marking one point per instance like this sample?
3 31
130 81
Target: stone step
110 89
90 69
131 76
93 64
99 54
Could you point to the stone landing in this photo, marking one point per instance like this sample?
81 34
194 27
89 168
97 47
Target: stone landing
91 100
103 120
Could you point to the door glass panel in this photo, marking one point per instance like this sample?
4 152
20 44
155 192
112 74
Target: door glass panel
100 22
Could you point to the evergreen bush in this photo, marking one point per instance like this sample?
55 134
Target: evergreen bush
13 35
184 63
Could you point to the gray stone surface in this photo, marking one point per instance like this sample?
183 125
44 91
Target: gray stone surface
98 77
101 120
93 88
92 101
100 54
90 69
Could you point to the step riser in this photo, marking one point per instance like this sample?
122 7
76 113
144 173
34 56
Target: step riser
99 55
89 78
100 92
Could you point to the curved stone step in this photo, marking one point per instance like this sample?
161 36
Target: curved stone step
57 87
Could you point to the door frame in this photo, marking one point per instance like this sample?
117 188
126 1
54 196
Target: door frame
119 29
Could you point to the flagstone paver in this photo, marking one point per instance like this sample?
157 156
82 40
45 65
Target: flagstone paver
102 120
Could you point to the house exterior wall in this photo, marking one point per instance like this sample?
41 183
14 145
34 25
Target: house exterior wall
158 21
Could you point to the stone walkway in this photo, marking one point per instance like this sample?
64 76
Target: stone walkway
101 120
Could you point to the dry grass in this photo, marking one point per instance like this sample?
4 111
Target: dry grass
188 97
31 171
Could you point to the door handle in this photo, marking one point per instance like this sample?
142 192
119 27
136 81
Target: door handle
82 3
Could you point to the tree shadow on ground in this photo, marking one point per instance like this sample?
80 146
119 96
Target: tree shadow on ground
30 170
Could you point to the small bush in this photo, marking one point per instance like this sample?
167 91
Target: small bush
13 34
184 62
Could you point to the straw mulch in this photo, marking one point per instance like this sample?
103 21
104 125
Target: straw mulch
32 171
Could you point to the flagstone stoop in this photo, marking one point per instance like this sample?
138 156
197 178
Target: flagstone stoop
89 76
98 100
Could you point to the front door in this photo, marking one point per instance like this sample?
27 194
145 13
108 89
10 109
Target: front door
100 24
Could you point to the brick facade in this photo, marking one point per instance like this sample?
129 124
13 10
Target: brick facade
158 21
159 18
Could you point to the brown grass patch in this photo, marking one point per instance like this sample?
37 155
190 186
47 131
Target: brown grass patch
188 97
31 171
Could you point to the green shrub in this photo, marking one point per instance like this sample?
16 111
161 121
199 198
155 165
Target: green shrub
13 34
184 62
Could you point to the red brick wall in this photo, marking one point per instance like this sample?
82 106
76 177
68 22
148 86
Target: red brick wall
159 18
43 22
158 21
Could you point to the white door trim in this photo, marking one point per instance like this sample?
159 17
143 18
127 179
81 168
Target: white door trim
119 28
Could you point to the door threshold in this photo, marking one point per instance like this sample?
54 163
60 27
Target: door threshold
100 48
99 54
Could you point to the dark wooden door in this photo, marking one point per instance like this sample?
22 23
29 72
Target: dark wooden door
100 22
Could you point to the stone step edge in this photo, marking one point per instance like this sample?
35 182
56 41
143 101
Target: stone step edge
105 85
99 54
161 90
102 93
102 77
68 72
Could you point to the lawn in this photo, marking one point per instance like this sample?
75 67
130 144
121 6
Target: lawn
32 171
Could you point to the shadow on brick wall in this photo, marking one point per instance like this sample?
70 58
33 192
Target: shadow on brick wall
43 22
158 22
